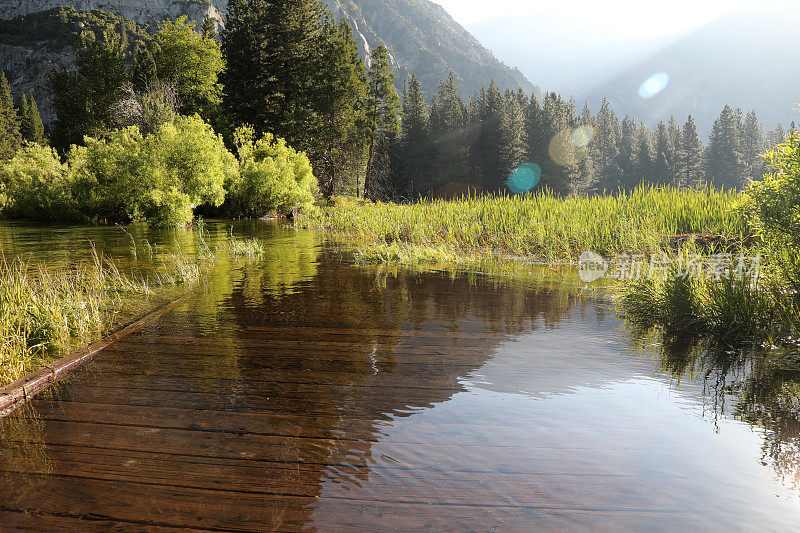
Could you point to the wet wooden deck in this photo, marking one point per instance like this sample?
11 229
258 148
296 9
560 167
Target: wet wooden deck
343 405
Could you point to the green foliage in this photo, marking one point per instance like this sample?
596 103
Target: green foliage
36 185
190 59
159 178
62 27
271 50
83 97
776 198
10 137
273 178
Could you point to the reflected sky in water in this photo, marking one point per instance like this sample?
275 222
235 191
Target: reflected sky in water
301 392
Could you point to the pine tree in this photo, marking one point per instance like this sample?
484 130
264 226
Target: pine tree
776 136
690 157
560 163
488 142
605 148
662 169
628 155
511 145
675 141
723 156
338 146
209 28
644 155
416 139
271 80
10 137
450 139
383 108
31 126
752 147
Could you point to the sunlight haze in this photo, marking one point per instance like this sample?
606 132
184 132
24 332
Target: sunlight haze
629 17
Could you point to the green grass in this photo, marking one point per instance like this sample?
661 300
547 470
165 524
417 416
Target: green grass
47 313
538 225
473 232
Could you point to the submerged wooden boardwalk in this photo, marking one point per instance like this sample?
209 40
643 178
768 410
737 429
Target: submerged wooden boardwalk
339 404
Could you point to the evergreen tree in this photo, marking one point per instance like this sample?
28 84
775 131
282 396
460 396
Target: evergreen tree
83 97
723 156
627 159
605 148
31 126
534 136
338 146
776 136
209 28
645 155
663 160
10 137
450 139
675 142
511 145
560 163
690 157
416 139
487 148
383 108
752 147
271 51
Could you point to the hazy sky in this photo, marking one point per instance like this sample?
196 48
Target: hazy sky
634 17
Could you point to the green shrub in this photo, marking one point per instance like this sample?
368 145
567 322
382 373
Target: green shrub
273 177
34 184
776 198
158 178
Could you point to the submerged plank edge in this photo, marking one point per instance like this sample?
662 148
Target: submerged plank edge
17 393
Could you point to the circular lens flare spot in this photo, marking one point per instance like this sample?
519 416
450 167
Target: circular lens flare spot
524 178
654 85
582 136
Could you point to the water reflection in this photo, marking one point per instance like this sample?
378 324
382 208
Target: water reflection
301 392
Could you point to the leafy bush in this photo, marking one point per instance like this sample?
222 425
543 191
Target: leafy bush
158 178
776 199
34 184
273 177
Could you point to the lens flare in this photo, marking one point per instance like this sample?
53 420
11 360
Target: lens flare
582 136
654 85
561 149
524 178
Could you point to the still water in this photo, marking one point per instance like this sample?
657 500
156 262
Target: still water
301 392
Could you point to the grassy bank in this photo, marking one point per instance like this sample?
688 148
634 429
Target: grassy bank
541 225
46 313
758 307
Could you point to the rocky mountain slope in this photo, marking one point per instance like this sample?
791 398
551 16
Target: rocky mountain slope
421 36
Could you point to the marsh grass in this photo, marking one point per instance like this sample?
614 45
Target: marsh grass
47 312
732 309
540 225
247 248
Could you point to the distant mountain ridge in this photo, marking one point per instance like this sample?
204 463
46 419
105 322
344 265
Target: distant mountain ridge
749 58
422 38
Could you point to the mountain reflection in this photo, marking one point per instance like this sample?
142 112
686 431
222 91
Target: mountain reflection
280 379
